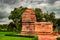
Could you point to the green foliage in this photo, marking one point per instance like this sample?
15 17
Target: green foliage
47 17
58 22
50 17
35 38
4 27
0 27
16 16
11 26
39 14
58 38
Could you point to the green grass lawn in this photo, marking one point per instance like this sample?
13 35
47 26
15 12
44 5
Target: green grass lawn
3 37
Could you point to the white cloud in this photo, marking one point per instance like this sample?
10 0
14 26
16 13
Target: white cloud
5 21
46 5
8 9
43 4
57 4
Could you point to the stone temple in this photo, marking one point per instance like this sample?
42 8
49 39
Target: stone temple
31 26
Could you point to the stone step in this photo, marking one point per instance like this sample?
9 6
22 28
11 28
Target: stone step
46 38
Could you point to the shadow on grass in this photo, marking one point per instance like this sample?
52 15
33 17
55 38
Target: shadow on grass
9 31
5 31
13 35
23 36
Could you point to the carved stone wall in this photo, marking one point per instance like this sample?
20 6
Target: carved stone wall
43 27
28 20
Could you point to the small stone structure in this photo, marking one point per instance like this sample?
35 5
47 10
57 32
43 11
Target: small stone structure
31 26
43 28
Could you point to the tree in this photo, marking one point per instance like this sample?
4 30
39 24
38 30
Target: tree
5 26
52 18
47 17
58 22
11 26
39 14
16 16
0 27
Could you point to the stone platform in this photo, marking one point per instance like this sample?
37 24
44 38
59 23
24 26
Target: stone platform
30 26
47 37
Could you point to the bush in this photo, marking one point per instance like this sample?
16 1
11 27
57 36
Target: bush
58 38
19 35
5 31
35 38
28 36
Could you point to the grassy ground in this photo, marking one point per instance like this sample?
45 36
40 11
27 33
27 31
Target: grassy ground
3 37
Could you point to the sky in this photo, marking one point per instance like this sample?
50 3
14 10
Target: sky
6 6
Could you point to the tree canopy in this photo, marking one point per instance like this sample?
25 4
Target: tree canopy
16 16
39 14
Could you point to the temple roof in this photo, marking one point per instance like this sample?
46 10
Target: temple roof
28 15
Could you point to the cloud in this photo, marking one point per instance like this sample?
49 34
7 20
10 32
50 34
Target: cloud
3 15
51 1
10 2
5 21
6 6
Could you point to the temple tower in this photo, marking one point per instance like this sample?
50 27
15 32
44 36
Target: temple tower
28 20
